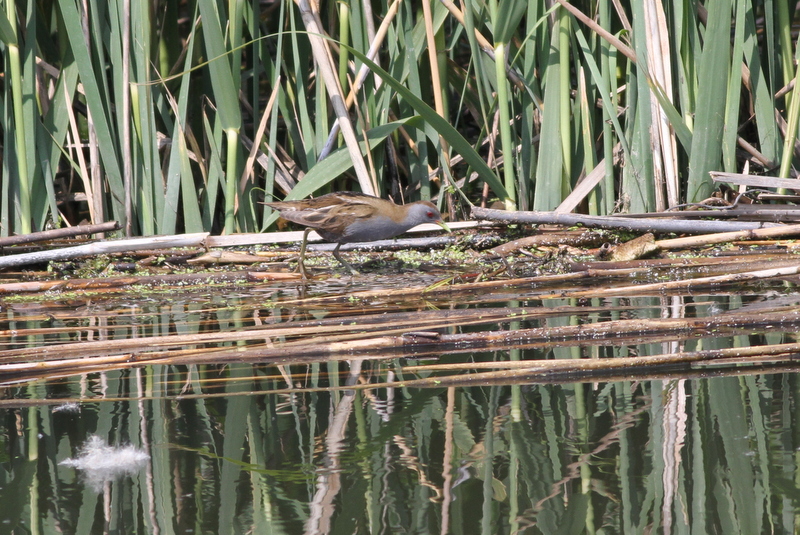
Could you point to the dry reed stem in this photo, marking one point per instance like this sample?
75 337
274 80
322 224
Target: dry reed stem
103 247
608 363
298 333
703 364
119 282
697 283
54 234
724 237
387 343
634 224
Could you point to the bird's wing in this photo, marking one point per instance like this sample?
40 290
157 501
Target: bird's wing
332 212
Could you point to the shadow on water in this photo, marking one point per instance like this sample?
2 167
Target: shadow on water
393 405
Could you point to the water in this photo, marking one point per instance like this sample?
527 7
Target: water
715 455
348 444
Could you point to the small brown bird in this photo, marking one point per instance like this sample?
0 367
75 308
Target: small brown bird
347 217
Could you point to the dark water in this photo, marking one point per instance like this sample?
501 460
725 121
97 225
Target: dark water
346 447
712 455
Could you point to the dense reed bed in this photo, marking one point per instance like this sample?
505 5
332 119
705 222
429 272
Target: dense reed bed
178 117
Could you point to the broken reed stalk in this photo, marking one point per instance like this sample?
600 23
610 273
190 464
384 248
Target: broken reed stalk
755 180
571 365
729 263
724 237
719 363
67 232
300 333
119 282
376 345
384 344
661 226
659 287
103 247
608 370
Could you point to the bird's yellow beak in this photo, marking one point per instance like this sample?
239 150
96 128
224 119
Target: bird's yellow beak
443 225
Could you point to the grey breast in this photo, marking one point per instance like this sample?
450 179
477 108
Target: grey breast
376 228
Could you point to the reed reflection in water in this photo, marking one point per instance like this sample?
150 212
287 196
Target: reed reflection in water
234 449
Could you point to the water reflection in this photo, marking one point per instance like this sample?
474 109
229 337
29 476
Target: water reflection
303 443
700 455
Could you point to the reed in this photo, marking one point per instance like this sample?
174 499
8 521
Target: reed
145 115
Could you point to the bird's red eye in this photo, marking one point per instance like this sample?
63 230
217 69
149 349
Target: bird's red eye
430 215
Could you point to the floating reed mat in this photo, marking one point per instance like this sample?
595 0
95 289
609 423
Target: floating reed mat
289 334
311 342
591 275
723 270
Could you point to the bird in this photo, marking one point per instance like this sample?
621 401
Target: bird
347 217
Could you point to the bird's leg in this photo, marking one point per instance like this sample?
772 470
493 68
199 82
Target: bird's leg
341 260
301 268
